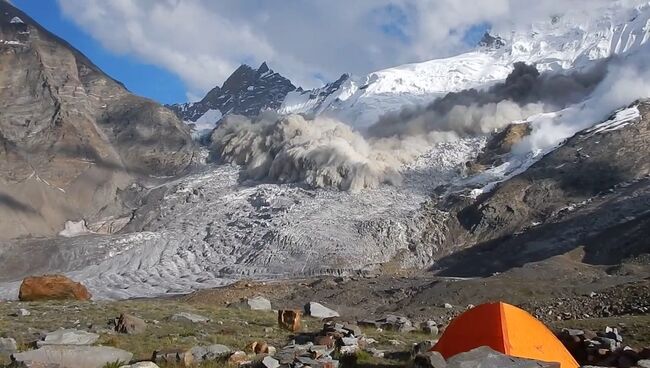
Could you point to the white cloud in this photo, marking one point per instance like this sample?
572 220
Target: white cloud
203 41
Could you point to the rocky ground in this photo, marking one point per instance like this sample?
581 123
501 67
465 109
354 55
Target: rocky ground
589 299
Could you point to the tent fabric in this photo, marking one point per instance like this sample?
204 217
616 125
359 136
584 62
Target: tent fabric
504 328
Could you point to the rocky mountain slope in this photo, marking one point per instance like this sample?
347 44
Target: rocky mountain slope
246 92
71 138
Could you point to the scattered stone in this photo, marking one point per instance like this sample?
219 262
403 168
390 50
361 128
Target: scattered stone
74 356
422 347
320 311
189 317
256 303
176 357
328 341
258 347
238 357
430 359
395 342
68 337
392 323
22 312
8 346
270 362
448 306
259 303
209 353
430 327
52 287
354 329
485 357
131 325
141 365
290 320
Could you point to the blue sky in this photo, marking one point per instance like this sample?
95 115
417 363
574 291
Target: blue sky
146 64
143 79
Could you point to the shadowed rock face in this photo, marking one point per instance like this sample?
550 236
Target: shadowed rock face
246 92
71 138
593 193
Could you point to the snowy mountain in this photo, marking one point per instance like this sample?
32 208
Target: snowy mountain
246 92
561 42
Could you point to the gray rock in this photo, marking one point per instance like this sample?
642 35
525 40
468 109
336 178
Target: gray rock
258 303
644 363
141 365
189 317
397 323
448 306
270 362
430 327
68 337
129 324
430 359
7 346
74 356
353 329
212 352
485 357
22 312
422 347
319 311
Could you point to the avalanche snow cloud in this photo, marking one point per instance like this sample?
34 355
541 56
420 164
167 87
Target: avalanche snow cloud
327 153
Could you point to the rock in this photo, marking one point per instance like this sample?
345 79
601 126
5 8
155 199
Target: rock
422 347
269 362
430 359
22 312
324 341
258 347
189 317
395 342
74 356
130 325
397 323
237 357
141 365
448 306
258 303
68 337
290 320
174 357
430 327
52 287
485 357
353 329
7 346
645 363
211 352
319 311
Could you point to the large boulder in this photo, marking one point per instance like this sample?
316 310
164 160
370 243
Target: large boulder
210 353
52 287
68 337
485 357
74 356
7 346
129 324
319 311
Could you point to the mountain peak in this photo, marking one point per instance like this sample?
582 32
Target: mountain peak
247 92
263 68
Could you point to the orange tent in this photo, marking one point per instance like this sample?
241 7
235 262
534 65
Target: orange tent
504 328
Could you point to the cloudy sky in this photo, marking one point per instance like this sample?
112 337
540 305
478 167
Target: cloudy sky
173 50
